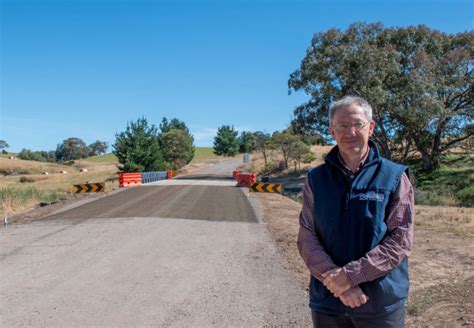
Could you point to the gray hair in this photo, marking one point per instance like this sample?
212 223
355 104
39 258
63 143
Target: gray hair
348 101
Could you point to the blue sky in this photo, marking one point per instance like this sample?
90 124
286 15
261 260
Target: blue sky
77 68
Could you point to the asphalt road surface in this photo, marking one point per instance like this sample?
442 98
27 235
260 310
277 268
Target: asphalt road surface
187 253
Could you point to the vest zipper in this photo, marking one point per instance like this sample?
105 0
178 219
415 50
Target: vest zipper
348 192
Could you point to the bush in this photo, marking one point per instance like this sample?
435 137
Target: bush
267 169
24 179
51 198
431 198
466 196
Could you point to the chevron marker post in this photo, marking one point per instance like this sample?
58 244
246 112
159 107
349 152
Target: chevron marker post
88 187
265 187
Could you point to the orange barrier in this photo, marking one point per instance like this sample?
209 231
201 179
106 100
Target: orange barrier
246 179
169 174
130 179
234 174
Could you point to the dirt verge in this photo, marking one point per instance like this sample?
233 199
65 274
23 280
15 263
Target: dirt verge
441 264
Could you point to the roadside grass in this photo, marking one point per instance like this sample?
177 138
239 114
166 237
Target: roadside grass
26 185
452 184
420 305
275 164
13 199
458 221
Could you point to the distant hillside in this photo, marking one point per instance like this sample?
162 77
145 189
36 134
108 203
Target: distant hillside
203 153
106 158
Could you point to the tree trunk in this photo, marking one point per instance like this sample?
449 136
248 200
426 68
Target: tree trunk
430 162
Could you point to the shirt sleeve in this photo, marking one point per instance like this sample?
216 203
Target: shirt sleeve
395 246
309 246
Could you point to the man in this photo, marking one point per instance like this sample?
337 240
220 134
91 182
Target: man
356 227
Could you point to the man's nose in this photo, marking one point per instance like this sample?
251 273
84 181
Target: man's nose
351 129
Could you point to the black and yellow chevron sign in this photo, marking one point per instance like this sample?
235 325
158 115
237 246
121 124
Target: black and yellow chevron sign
265 187
89 187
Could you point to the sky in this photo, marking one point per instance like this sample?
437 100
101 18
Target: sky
85 68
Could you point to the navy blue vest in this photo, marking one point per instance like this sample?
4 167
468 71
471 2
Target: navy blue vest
350 220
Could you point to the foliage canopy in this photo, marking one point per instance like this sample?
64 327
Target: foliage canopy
226 142
72 149
138 149
418 81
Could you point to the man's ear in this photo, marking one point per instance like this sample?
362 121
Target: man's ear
332 133
371 128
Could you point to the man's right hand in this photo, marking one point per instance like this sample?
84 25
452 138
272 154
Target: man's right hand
354 297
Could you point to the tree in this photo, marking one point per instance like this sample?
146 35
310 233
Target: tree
300 152
3 144
247 142
138 149
263 144
176 124
177 148
286 143
98 147
72 149
39 156
166 125
418 81
226 142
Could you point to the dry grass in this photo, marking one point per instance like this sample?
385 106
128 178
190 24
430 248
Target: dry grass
257 163
455 220
55 183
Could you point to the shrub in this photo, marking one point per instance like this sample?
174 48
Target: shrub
267 169
431 198
466 196
24 179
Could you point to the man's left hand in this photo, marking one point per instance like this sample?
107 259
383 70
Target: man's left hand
336 281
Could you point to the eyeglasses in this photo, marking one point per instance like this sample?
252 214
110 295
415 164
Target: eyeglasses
344 126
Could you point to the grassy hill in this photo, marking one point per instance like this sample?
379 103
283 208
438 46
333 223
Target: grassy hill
24 183
451 184
106 158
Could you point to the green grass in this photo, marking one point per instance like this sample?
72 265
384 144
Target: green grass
12 198
202 153
419 306
107 158
20 195
451 184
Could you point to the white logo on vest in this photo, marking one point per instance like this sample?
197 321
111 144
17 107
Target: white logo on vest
370 195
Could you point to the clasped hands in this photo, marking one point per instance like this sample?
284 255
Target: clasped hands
340 286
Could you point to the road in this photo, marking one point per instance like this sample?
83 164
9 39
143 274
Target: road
190 254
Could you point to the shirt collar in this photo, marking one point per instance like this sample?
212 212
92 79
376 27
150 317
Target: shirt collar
361 163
